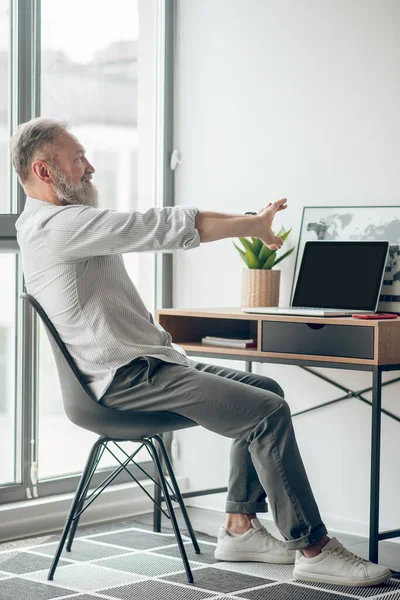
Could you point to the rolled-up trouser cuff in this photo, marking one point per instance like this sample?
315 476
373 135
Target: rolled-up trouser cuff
310 538
247 508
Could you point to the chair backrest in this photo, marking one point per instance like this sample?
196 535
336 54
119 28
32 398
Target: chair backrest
82 408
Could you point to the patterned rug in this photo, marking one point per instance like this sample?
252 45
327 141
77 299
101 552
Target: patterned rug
128 561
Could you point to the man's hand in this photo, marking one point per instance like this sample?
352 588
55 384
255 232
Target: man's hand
217 226
267 215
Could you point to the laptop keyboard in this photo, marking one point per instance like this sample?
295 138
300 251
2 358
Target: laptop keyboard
308 310
301 308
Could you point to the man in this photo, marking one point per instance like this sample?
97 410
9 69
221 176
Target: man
71 255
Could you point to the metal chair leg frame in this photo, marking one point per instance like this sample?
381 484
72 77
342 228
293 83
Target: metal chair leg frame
157 497
149 443
156 510
72 511
75 522
177 493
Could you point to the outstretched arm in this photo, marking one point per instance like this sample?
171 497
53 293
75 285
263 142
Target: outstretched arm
216 226
75 233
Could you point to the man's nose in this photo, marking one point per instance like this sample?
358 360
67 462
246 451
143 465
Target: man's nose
89 167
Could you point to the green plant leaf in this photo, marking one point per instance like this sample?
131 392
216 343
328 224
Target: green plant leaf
247 244
284 234
278 260
257 255
257 245
252 260
242 254
264 254
270 262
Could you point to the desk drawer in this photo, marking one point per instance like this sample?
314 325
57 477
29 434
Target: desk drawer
315 339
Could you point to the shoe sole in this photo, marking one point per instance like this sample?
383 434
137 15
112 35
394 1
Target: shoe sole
340 581
254 557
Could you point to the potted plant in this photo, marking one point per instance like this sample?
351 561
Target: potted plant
260 283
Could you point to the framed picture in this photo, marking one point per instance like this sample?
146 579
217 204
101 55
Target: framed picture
357 223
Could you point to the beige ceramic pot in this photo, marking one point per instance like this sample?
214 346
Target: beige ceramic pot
260 287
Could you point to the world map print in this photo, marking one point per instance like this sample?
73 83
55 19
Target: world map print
359 223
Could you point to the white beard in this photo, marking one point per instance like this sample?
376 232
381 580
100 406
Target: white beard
83 193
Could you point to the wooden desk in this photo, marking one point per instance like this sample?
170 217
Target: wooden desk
343 342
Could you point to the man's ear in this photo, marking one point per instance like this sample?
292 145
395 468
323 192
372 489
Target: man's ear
41 169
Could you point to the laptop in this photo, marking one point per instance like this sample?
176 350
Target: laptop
336 279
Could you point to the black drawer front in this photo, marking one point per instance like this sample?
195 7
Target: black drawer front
311 338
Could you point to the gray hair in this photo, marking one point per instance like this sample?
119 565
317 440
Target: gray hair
31 139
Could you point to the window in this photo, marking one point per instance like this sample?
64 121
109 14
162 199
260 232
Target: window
90 72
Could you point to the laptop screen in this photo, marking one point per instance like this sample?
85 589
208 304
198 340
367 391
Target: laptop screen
343 275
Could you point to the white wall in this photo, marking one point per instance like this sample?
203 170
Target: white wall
295 99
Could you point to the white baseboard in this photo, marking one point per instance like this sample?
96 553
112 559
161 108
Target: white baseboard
209 520
45 515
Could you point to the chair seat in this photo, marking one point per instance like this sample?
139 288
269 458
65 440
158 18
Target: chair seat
126 425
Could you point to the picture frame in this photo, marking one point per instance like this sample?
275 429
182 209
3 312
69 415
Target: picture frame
357 223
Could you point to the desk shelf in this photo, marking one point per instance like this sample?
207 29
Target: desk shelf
191 329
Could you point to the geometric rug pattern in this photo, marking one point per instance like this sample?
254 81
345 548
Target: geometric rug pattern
128 561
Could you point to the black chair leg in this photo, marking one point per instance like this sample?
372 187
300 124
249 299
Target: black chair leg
157 515
75 522
73 510
177 492
170 508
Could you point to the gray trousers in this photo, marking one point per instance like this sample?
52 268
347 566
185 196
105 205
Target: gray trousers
246 407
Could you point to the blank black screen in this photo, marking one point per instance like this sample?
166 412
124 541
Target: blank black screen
340 274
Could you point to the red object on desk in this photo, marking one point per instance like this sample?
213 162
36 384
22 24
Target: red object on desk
375 316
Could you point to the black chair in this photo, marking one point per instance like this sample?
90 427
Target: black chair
114 426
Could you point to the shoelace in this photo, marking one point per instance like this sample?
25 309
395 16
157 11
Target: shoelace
346 555
264 533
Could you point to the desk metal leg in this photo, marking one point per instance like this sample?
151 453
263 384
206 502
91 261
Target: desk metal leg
249 366
375 463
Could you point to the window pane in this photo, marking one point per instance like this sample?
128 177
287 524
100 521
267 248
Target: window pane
4 105
90 78
7 369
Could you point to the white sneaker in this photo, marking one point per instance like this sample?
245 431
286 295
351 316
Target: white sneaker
254 545
339 566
